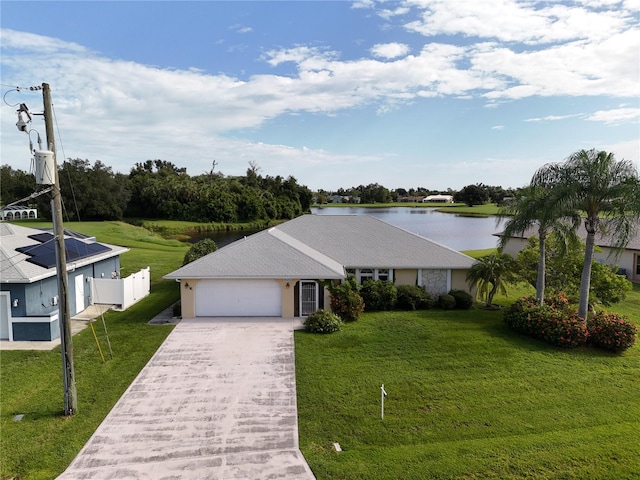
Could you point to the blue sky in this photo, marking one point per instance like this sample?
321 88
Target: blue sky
431 93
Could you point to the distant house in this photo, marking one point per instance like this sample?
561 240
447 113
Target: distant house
342 199
29 284
280 271
17 212
628 261
438 199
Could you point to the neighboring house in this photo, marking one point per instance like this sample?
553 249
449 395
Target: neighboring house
29 283
628 260
17 212
438 199
277 272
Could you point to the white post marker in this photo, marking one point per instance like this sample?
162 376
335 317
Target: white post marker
382 395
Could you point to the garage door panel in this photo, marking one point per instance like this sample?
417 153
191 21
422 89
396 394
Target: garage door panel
238 298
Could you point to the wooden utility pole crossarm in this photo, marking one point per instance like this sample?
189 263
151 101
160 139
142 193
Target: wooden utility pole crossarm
66 342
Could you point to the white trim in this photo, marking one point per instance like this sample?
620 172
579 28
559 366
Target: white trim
8 313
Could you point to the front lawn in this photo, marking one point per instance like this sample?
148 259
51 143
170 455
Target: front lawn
467 398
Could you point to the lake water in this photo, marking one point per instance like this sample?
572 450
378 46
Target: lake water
455 231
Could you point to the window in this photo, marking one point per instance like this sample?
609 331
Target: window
637 264
366 274
383 274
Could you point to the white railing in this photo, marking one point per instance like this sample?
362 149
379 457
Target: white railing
122 292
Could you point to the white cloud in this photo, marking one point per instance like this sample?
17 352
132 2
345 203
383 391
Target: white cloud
514 21
497 127
390 50
552 118
616 116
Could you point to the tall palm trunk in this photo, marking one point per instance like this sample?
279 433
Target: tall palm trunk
542 266
585 280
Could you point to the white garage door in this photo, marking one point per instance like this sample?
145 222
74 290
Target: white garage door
238 298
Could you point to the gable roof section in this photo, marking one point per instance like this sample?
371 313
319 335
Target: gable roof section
18 243
266 254
320 247
366 241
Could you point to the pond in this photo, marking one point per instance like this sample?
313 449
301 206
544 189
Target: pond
455 231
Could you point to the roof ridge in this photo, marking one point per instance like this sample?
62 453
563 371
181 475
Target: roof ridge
306 249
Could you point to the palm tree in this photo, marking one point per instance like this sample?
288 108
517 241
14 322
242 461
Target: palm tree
606 191
529 208
491 273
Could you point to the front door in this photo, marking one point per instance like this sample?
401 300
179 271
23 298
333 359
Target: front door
308 298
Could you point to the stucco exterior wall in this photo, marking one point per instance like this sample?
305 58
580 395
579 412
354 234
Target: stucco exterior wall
405 277
459 282
288 297
188 298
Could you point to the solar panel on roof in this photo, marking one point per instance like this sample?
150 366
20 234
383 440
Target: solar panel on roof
44 255
41 237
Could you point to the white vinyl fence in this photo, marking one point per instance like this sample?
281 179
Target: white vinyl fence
122 292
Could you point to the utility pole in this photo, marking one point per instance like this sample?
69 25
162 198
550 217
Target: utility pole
66 342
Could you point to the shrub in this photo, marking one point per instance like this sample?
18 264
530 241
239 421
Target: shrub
200 249
447 302
611 331
557 325
345 302
322 321
379 295
177 309
413 297
464 300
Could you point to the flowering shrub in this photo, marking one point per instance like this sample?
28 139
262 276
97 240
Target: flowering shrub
413 297
322 321
346 303
553 322
612 332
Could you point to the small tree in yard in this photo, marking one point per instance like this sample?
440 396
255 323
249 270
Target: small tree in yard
199 249
492 273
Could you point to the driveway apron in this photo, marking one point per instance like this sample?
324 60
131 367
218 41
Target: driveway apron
216 401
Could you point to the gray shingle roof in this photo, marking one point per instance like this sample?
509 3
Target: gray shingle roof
13 265
267 254
321 246
366 241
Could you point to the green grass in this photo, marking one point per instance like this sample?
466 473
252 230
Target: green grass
467 398
461 209
43 444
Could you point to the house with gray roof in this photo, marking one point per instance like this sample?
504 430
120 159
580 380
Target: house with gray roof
29 284
278 272
627 260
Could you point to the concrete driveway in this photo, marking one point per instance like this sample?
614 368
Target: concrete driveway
216 401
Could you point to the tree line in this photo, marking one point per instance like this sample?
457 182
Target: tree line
160 189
